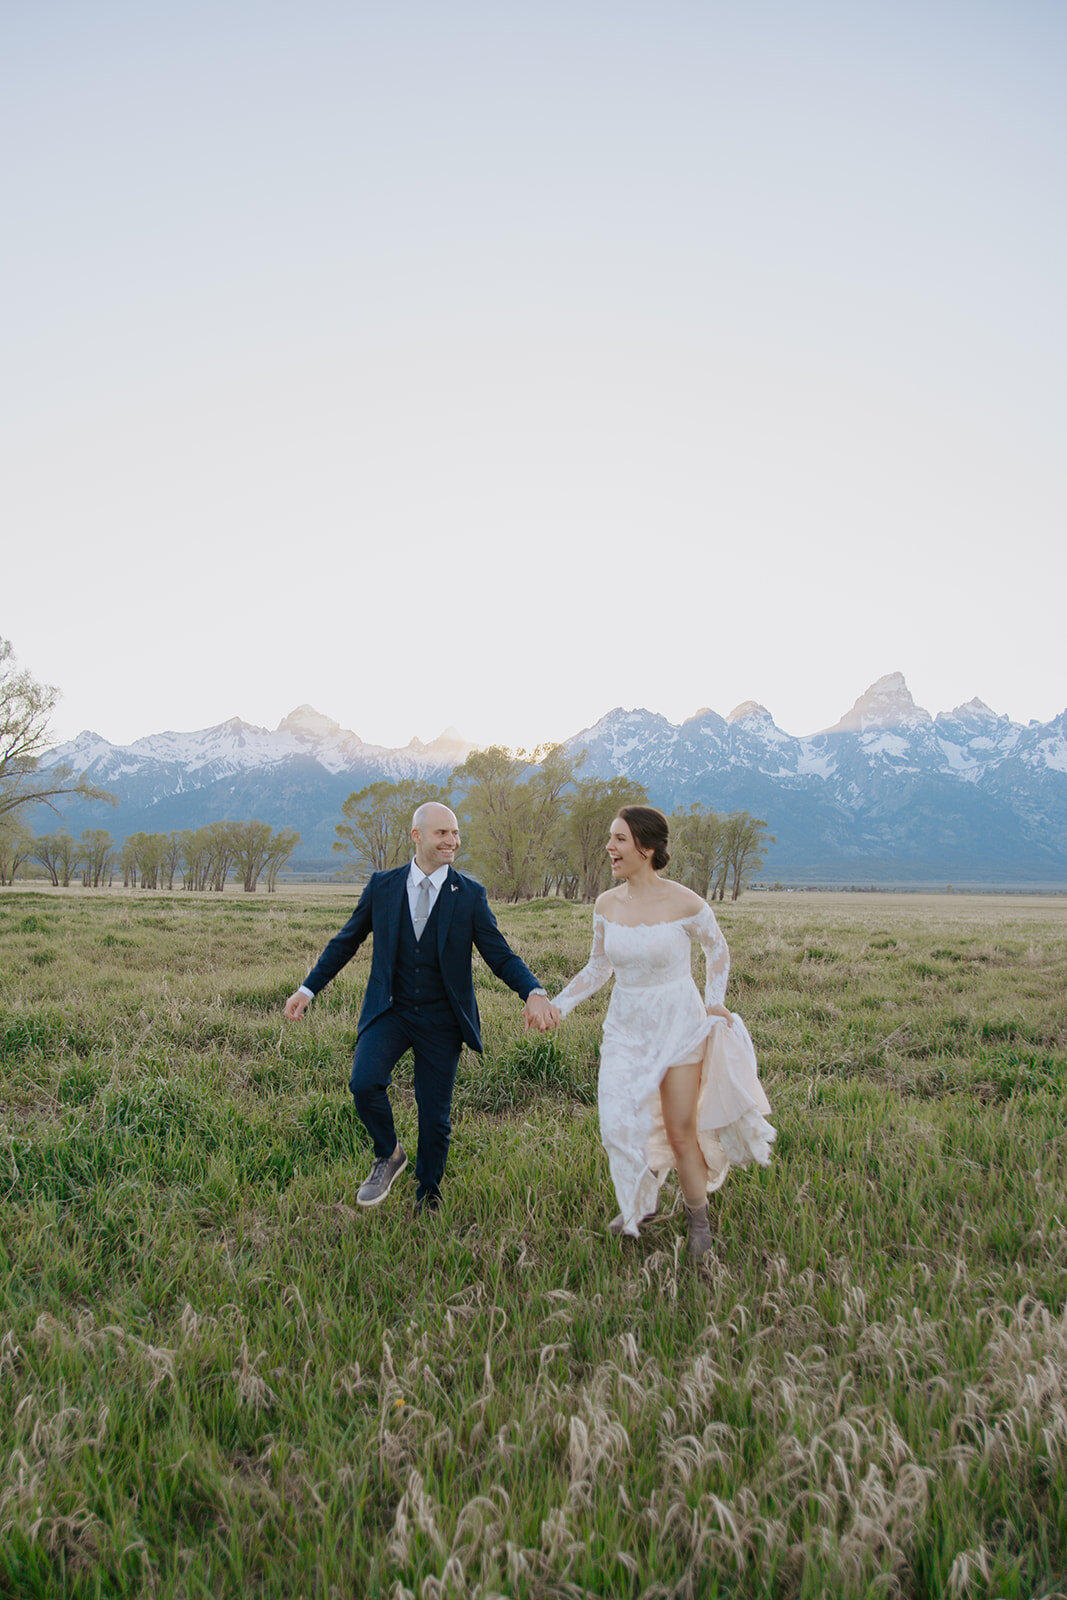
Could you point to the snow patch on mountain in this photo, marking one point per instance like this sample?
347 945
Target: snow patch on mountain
815 763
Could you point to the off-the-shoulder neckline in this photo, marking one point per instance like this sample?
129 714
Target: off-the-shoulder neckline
665 922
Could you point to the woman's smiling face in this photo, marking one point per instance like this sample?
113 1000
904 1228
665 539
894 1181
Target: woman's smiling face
626 856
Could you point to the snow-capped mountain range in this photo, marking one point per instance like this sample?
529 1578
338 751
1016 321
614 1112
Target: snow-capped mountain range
232 747
888 794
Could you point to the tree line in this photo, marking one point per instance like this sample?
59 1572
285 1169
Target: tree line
533 826
204 857
200 858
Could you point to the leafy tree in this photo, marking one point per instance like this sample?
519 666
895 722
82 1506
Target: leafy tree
515 810
69 856
222 849
16 844
26 707
550 788
376 831
283 844
709 851
44 850
128 861
207 855
257 847
560 875
58 855
172 855
195 855
251 848
591 808
97 860
144 856
746 848
698 850
498 846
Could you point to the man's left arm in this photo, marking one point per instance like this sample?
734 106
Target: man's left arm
501 959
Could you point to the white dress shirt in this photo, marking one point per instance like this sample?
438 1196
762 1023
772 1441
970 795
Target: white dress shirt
416 877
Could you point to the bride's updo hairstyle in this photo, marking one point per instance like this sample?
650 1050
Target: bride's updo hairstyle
650 831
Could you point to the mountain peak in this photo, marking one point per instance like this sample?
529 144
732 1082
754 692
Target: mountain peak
449 745
749 711
887 703
976 710
307 723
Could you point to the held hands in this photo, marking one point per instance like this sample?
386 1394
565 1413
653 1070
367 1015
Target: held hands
541 1014
721 1011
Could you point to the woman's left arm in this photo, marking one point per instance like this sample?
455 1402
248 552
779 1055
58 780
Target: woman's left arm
707 932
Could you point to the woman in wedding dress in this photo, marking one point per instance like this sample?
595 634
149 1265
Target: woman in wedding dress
678 1083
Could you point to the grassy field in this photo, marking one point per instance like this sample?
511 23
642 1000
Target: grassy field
219 1378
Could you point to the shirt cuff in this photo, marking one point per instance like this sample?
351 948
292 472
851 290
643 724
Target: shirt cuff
538 990
303 989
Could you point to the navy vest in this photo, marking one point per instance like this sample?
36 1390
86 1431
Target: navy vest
417 980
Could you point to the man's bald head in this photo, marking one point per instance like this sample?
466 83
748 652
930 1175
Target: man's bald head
436 834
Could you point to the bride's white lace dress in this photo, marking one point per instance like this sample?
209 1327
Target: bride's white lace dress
655 1020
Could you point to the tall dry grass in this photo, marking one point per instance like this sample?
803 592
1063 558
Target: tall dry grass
219 1377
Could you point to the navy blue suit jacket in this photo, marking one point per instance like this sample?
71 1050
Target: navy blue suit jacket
464 920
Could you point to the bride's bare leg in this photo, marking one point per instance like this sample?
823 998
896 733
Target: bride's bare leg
679 1093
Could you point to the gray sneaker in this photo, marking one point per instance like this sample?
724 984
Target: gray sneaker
379 1180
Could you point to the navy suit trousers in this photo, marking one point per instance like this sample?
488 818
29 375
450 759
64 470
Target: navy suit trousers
432 1033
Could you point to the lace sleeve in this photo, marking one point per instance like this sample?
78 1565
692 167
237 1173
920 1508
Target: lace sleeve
708 934
593 976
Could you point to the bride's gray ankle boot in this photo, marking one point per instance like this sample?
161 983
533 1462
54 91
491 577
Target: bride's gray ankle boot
700 1240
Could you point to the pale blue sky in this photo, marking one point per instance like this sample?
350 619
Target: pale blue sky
496 364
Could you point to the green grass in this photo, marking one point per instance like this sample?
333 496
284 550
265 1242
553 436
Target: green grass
219 1378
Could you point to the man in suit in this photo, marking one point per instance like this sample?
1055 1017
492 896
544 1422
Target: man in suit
420 996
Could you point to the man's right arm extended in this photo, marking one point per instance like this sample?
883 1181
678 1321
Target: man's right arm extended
341 948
